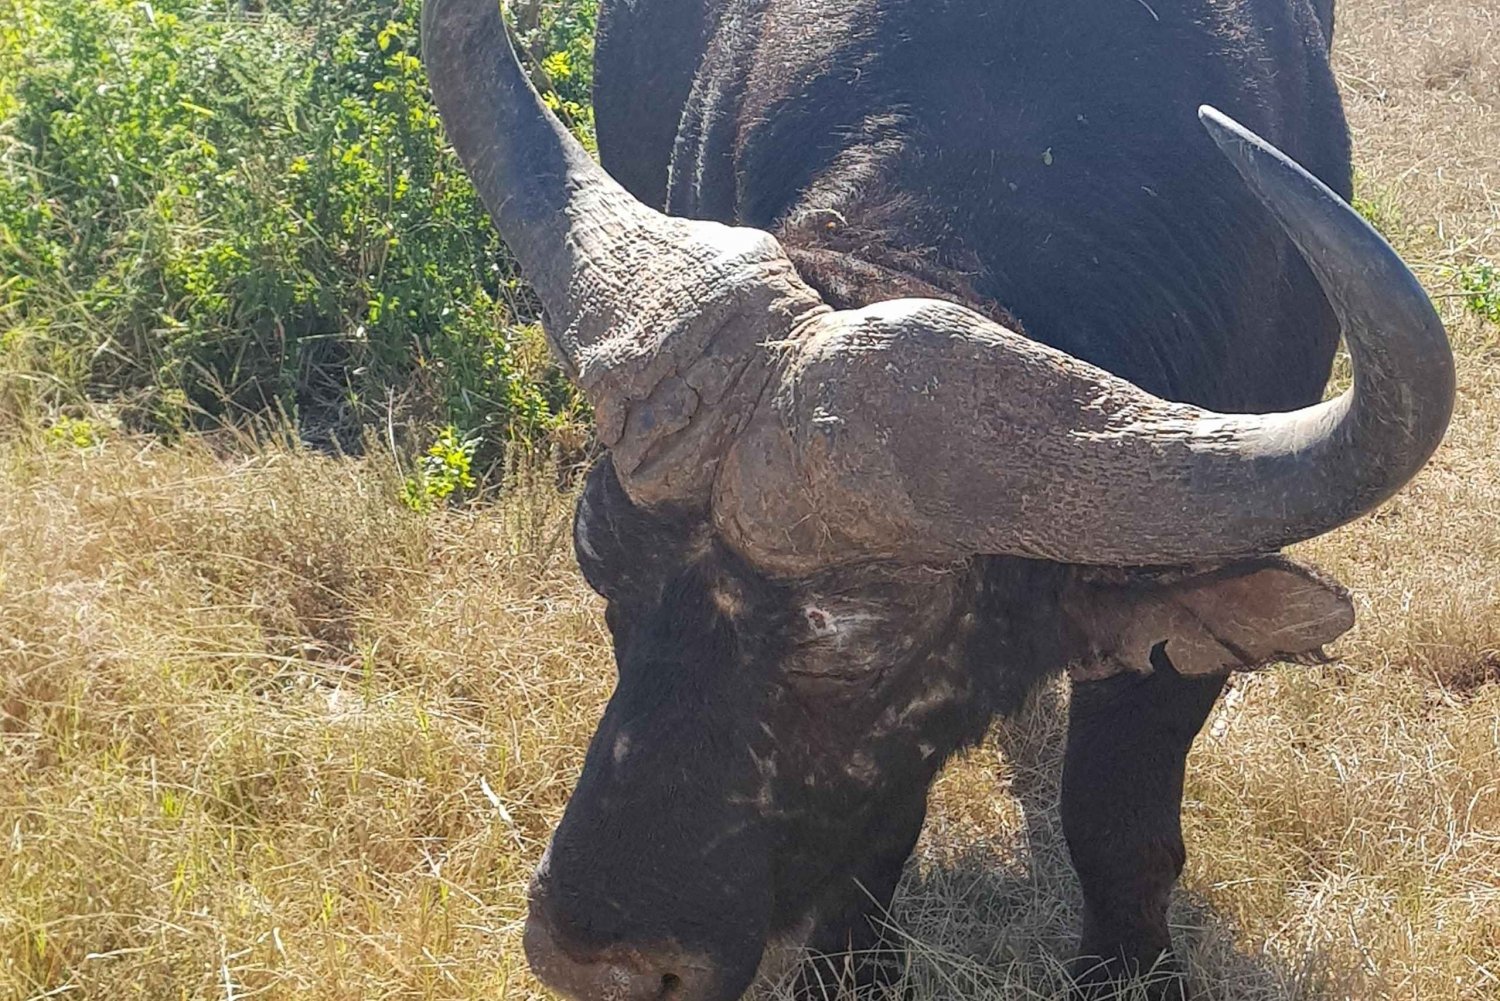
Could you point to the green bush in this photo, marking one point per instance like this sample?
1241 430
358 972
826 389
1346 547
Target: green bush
209 213
1480 282
445 470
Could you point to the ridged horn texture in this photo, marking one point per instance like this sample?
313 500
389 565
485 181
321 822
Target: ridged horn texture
920 429
656 318
915 429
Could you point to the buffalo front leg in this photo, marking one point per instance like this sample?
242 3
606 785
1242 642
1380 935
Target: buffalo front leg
1128 739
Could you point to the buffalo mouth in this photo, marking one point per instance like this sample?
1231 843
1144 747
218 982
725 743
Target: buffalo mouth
661 971
654 968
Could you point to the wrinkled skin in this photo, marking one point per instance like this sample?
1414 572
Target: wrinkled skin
760 775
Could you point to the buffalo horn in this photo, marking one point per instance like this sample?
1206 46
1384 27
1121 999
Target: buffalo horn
920 429
632 298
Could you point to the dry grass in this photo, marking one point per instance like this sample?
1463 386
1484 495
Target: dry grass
265 728
266 733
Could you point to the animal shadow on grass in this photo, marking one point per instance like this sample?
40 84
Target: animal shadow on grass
997 918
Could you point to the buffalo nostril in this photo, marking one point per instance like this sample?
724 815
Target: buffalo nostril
617 973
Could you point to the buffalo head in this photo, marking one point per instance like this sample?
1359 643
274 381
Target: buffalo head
835 543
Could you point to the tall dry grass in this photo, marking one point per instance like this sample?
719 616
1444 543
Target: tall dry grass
265 733
264 728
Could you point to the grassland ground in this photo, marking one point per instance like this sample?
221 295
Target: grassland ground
264 732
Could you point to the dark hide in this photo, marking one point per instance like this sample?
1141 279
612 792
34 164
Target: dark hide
1041 156
769 745
1324 10
761 772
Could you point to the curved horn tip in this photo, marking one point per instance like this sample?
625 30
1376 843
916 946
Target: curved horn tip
1226 132
433 13
1243 147
1302 203
445 26
1215 121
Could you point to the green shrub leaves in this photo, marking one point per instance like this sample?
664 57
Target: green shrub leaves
208 216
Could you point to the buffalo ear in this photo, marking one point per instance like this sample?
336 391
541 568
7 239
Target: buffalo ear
1233 618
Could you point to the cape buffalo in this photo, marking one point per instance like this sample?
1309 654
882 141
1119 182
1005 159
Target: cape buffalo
938 349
